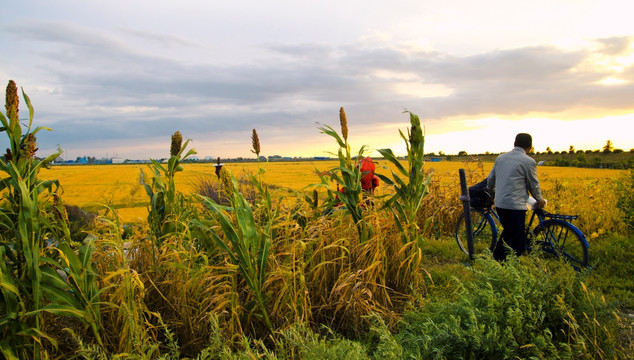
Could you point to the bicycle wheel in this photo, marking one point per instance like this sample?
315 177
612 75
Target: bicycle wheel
484 232
563 240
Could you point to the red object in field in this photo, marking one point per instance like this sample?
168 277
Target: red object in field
369 181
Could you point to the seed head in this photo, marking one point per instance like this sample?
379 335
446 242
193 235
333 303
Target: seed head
11 102
227 181
344 123
177 142
255 140
29 146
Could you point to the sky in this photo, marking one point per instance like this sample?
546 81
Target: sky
116 78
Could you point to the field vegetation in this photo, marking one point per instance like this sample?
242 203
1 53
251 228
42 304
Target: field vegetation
272 261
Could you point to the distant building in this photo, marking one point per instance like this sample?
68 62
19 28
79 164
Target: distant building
118 161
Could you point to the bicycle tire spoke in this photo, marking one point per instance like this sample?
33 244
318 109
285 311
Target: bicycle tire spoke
559 239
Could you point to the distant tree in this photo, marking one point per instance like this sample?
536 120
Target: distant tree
608 147
571 150
462 153
548 151
441 153
617 151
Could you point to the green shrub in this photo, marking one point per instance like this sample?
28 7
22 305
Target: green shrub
517 309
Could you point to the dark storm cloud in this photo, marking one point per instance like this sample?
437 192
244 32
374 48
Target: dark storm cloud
112 90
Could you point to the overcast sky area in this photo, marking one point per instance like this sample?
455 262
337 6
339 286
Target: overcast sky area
117 78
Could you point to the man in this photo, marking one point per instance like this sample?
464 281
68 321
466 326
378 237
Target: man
514 176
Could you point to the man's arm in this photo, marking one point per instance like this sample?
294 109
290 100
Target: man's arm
532 184
491 179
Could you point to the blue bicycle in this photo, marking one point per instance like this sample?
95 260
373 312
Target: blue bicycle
554 234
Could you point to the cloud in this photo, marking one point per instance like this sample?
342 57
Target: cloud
110 87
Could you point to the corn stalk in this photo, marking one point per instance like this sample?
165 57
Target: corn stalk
31 283
246 244
348 175
165 202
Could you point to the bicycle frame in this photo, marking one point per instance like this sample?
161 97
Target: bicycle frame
543 218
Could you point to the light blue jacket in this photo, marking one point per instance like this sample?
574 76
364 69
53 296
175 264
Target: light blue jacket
514 176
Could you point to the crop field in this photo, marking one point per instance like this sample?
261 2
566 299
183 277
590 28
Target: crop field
570 190
265 266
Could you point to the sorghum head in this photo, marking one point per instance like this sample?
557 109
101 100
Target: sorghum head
344 123
255 140
177 142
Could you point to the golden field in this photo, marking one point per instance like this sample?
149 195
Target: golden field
569 190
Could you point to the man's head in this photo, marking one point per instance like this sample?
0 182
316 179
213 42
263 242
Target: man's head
523 140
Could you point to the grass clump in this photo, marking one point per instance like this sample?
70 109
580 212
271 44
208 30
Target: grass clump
516 309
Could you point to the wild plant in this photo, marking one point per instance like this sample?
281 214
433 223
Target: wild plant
522 308
166 204
348 175
244 239
40 271
246 245
409 192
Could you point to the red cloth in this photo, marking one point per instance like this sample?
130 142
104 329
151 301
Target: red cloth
369 181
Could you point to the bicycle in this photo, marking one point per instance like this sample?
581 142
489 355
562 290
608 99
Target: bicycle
554 234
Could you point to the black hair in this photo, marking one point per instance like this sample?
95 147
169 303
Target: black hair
524 140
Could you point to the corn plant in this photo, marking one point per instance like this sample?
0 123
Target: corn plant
36 277
246 244
348 175
165 202
410 190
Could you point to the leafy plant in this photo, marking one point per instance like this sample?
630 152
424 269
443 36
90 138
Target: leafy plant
39 269
245 244
166 204
348 175
410 191
519 309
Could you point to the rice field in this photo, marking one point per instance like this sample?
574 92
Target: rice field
569 190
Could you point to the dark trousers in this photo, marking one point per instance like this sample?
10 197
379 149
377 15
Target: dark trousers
513 233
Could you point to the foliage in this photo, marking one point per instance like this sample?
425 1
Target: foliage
40 270
246 245
348 175
253 274
625 202
166 204
408 193
514 309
